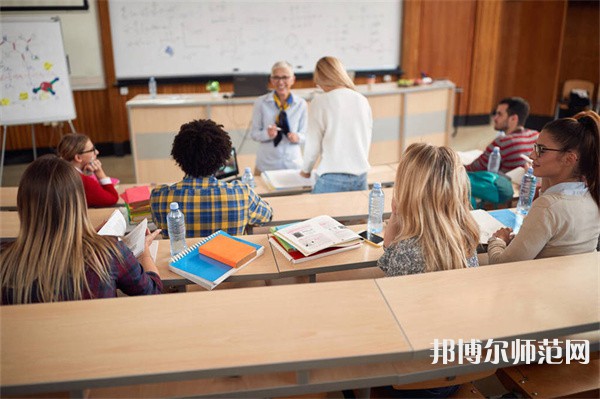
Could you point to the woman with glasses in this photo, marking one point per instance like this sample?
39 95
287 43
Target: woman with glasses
339 131
79 150
279 123
57 255
565 219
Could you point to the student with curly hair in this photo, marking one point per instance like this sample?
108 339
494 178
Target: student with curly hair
58 256
200 149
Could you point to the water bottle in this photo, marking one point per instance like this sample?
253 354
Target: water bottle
494 161
152 87
526 193
176 228
375 223
248 178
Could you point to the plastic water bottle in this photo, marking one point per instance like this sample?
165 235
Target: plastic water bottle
152 87
176 228
527 192
376 203
248 178
494 161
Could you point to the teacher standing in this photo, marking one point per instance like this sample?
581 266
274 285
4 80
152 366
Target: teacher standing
340 127
279 123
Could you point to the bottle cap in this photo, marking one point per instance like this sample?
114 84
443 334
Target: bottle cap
496 149
376 185
248 169
530 171
174 206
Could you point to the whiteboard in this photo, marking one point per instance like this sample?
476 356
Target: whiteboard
34 80
202 37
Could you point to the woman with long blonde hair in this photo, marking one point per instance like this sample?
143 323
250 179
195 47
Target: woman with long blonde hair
79 151
58 255
431 227
340 127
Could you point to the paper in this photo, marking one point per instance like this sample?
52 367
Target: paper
467 157
136 239
516 175
488 225
115 225
288 179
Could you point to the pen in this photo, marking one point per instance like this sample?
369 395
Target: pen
526 158
276 128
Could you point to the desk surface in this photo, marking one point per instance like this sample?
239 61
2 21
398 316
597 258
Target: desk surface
500 301
194 335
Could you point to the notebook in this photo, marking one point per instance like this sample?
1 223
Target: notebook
227 250
250 85
296 256
203 270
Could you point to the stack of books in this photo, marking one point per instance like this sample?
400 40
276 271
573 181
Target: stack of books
312 239
137 201
213 259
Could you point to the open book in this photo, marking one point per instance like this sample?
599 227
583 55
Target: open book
318 233
116 226
206 271
287 179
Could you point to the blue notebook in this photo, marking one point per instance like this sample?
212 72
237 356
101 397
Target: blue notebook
203 270
506 217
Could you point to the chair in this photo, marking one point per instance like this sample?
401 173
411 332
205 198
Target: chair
571 84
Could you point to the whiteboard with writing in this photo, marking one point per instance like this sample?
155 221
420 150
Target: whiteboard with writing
202 37
34 79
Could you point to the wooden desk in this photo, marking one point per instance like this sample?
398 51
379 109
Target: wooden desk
500 301
401 116
9 220
76 345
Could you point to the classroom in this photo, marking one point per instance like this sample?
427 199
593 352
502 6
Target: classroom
395 198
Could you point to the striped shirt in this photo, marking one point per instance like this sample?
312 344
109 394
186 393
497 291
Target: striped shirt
511 147
209 205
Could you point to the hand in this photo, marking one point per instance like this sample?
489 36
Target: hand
505 234
305 175
293 137
148 240
95 167
272 131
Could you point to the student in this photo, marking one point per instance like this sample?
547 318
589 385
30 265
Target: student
509 118
279 123
565 219
201 148
79 150
340 126
430 228
58 256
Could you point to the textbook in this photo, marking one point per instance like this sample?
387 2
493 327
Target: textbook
296 256
488 224
287 179
205 271
316 234
288 247
116 225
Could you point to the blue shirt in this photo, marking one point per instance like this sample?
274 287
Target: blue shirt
286 155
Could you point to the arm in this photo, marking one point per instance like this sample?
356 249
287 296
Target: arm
302 123
98 195
145 258
259 211
132 279
534 234
314 137
260 127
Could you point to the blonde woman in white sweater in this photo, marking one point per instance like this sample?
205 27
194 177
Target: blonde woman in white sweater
565 219
340 126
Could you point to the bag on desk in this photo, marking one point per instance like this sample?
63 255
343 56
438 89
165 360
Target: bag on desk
490 187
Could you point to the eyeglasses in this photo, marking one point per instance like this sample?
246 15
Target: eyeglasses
92 150
540 149
283 78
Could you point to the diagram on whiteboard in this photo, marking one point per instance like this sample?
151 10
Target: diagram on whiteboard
34 84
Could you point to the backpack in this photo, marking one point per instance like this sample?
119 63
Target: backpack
489 187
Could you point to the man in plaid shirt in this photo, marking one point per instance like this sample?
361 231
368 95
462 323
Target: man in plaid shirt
200 149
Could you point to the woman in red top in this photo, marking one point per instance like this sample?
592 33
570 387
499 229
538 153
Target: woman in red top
79 150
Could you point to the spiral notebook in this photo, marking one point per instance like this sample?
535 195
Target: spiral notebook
206 271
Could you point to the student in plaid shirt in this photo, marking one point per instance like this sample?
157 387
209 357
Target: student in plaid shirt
200 149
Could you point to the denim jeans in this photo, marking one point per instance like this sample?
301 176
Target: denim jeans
336 182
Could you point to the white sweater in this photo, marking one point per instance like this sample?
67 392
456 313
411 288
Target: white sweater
340 126
557 224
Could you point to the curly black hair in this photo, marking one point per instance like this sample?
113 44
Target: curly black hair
201 147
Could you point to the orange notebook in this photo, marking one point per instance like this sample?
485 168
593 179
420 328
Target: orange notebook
227 250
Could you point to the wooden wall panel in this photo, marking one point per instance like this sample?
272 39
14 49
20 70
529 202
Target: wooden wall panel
480 98
530 52
581 45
